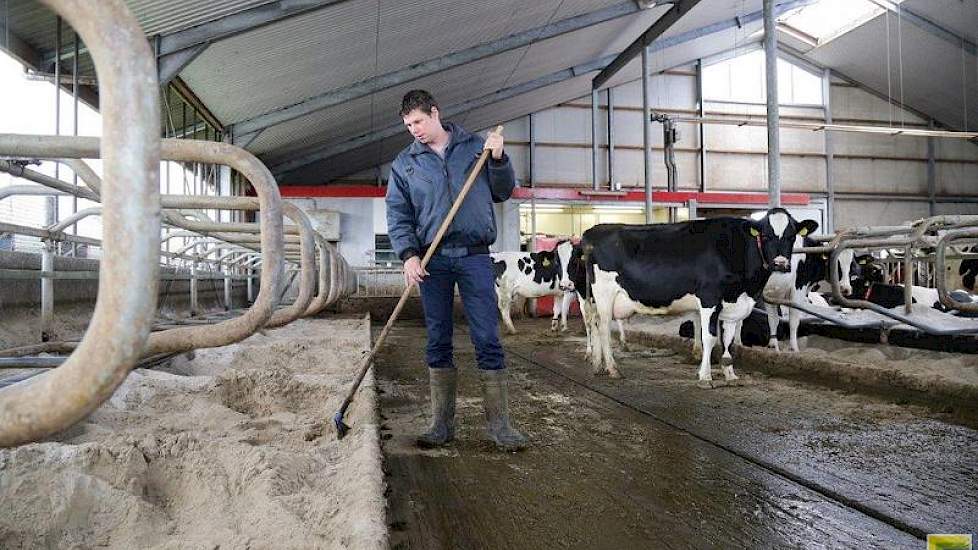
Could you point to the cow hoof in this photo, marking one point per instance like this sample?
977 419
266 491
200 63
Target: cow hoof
614 374
708 384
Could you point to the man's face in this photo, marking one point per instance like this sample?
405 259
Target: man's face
422 125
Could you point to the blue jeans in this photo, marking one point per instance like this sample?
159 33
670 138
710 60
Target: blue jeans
477 285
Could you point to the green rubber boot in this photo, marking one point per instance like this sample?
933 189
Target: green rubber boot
442 430
495 398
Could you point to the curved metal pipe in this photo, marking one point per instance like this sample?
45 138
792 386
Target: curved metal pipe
271 238
126 302
270 213
30 190
307 275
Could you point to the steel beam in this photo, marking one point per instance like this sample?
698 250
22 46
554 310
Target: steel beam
640 44
773 107
594 139
829 153
168 67
646 135
432 66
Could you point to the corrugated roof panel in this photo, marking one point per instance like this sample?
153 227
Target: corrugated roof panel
959 17
281 64
449 87
35 23
164 16
409 33
354 161
932 75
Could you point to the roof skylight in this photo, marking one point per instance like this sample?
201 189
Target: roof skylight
828 19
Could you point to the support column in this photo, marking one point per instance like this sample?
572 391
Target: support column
829 152
701 111
193 284
611 140
932 173
594 140
533 154
227 291
773 113
646 135
47 290
251 285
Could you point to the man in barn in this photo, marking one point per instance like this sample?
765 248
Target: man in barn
425 179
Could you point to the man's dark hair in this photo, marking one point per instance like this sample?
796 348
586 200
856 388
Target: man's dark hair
417 99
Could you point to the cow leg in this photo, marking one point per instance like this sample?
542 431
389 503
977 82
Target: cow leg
505 302
604 302
794 319
621 335
555 318
697 337
726 361
565 305
708 334
587 315
773 320
738 338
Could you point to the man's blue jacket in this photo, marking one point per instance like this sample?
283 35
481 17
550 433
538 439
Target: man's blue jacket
423 186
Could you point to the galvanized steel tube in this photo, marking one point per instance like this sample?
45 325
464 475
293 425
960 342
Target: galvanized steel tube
126 303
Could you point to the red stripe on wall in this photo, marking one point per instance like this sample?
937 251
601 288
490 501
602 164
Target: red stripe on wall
559 193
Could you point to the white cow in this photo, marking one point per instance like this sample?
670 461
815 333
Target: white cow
532 275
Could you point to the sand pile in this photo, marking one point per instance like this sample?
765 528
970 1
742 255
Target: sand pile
229 449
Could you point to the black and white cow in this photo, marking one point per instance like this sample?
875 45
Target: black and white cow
961 274
871 287
531 275
575 283
714 267
808 276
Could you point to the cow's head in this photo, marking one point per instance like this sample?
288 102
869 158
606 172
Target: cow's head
775 234
564 249
848 269
869 269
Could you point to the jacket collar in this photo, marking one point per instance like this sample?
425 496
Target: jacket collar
459 135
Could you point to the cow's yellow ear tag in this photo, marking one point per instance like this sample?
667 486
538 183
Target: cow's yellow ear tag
754 232
803 232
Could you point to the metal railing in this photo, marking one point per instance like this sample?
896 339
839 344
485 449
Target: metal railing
133 213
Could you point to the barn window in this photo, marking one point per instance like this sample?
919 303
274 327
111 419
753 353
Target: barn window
741 80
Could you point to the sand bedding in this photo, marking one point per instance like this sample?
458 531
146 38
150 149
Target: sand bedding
229 449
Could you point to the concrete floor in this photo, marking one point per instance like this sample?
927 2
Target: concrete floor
652 461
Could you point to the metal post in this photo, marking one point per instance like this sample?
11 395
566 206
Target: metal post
594 140
51 206
611 140
932 173
251 284
533 153
533 245
908 279
701 108
47 290
829 152
227 291
193 284
646 134
693 206
74 126
773 114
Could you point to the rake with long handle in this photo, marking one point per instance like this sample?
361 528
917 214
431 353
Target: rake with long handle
341 428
